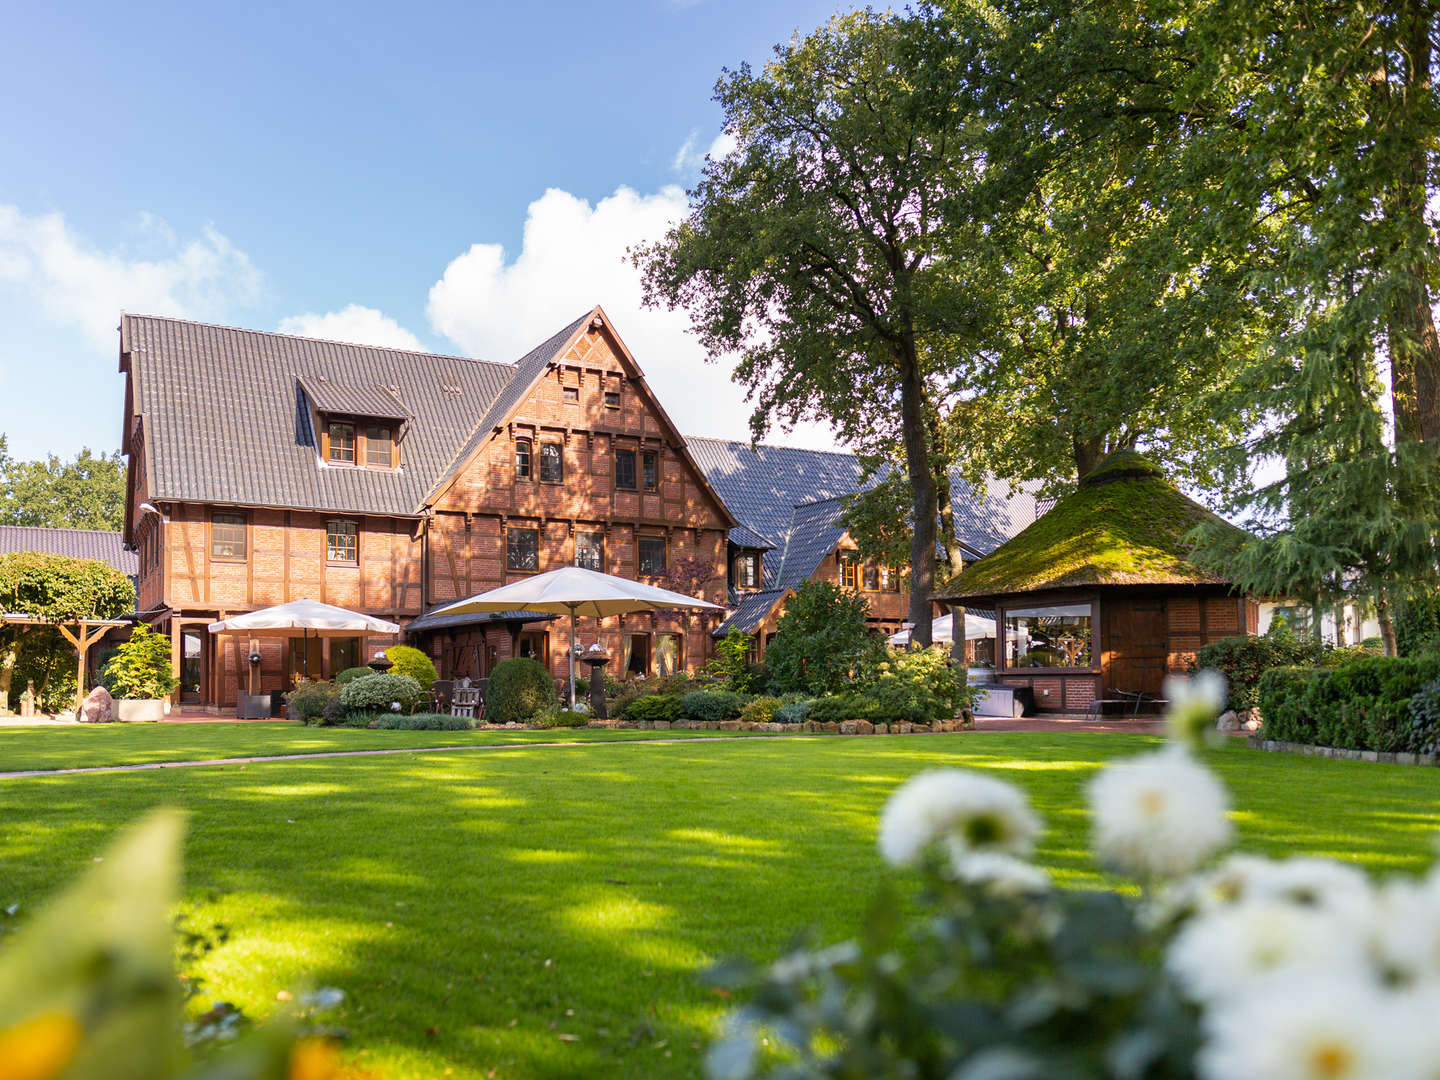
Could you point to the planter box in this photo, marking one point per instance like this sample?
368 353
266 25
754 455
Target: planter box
253 707
141 710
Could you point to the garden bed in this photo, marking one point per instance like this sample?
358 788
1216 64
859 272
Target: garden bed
806 727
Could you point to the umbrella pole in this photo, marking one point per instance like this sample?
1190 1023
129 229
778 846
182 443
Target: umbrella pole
572 656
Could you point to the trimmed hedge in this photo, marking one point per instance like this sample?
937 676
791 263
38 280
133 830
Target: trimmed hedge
519 690
651 707
1422 730
1363 704
712 705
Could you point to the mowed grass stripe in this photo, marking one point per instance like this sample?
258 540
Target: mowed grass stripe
581 895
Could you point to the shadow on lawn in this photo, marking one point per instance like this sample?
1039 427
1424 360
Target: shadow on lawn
547 914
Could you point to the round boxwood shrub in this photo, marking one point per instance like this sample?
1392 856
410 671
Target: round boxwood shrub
380 693
519 690
407 660
350 674
712 705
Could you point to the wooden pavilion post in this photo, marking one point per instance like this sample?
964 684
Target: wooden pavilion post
82 642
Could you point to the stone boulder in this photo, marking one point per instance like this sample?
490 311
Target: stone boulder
856 727
97 708
1250 719
1229 721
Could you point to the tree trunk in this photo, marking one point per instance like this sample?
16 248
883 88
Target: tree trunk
1387 624
954 556
9 656
922 488
1088 454
1414 345
1340 635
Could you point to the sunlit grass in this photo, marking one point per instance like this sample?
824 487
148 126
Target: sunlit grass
548 912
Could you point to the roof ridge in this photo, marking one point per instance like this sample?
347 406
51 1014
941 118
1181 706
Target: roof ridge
772 446
324 341
63 528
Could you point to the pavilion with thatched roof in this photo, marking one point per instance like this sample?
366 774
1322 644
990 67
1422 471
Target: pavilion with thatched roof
1099 599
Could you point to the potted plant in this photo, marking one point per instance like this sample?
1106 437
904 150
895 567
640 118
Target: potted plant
140 676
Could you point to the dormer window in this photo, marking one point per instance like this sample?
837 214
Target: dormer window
379 447
342 443
747 570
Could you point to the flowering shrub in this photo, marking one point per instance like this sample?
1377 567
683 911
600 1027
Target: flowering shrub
1245 969
919 685
396 693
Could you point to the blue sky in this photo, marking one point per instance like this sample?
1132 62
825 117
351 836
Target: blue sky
461 178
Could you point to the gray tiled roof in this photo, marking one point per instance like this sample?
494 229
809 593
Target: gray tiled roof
815 529
374 402
749 612
98 544
432 621
742 536
225 422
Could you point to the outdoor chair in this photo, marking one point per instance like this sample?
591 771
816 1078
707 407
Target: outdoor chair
465 701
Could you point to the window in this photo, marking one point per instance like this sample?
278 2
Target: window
625 469
227 536
870 576
667 654
522 549
535 645
849 572
378 447
344 653
552 463
890 578
342 443
1057 636
571 394
522 459
747 571
636 658
590 550
650 470
342 542
650 556
612 399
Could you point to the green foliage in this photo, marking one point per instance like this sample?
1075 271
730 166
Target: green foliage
1244 659
141 667
1422 728
760 710
1360 705
794 711
308 700
731 663
822 638
712 705
1417 625
651 707
408 660
561 718
350 674
423 722
56 587
87 493
918 685
519 690
46 659
380 692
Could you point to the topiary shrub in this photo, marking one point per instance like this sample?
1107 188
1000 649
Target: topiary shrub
140 667
380 693
350 674
712 705
652 707
760 710
519 690
408 660
306 703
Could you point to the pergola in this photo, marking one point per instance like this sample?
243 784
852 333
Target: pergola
85 632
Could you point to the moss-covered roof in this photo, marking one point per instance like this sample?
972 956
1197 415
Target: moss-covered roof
1124 525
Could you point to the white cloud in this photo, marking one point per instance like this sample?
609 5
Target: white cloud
572 257
354 324
688 159
77 283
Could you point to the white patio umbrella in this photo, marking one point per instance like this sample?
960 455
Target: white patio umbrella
302 618
942 631
577 591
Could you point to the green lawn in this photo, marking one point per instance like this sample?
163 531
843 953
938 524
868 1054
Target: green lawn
546 912
86 745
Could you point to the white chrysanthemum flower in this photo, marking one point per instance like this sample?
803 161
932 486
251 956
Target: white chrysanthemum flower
971 812
1159 815
1405 931
1303 881
1195 703
1306 1028
1002 875
1222 953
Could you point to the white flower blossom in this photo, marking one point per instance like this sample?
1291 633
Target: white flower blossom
1304 881
971 812
1194 704
1306 1028
1158 815
1222 953
1001 875
1405 931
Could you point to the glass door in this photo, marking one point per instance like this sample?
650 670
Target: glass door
192 667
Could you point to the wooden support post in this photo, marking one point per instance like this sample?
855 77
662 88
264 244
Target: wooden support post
87 636
175 657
